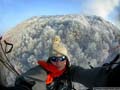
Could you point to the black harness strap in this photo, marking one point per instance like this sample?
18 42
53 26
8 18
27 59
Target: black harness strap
70 79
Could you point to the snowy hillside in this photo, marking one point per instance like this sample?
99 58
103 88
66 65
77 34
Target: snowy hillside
88 39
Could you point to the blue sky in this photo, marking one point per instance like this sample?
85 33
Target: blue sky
13 12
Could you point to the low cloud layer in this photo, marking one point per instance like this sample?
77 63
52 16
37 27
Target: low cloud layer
108 9
102 7
117 20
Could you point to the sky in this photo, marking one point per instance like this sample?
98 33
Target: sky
13 12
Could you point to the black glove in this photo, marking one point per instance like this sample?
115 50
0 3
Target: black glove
25 84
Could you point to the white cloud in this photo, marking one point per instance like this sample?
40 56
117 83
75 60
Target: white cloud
102 7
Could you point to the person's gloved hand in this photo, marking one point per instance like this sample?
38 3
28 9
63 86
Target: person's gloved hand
22 83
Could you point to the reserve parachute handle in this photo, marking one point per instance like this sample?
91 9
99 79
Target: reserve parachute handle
6 44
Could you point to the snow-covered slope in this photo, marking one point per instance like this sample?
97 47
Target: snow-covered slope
88 39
